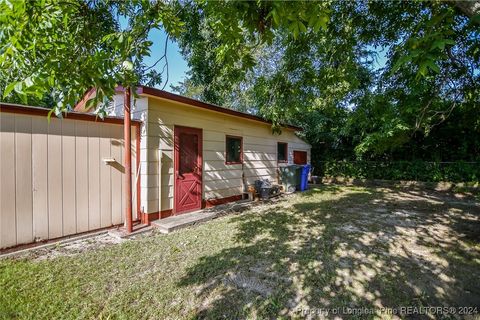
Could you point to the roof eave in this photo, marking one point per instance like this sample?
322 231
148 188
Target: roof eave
200 104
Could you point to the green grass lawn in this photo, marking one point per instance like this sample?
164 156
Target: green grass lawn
329 247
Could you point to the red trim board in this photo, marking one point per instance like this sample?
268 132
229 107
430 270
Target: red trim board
73 115
188 101
149 217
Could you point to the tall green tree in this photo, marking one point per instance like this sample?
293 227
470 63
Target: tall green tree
327 80
62 48
311 63
56 49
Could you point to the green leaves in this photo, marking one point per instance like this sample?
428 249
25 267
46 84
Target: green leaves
60 49
52 51
321 23
295 28
127 65
423 52
317 69
48 51
317 22
18 88
404 59
308 16
428 43
9 89
28 82
441 43
429 63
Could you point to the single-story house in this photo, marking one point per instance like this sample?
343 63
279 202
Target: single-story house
64 177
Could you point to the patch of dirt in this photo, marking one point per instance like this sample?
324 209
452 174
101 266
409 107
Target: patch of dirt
348 228
250 282
72 248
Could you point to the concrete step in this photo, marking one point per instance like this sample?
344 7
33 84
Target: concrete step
183 220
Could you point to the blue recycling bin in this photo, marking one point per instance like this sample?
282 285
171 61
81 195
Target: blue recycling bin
304 177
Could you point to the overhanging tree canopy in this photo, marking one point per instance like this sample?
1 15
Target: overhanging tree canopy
59 49
307 61
326 80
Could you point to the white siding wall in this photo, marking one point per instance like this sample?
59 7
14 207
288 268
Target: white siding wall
139 112
219 179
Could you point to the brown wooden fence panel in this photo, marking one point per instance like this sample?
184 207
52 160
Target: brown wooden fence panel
53 180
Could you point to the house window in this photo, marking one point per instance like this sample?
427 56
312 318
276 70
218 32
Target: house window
299 157
282 152
234 150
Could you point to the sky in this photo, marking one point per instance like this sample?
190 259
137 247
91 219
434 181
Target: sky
381 58
177 66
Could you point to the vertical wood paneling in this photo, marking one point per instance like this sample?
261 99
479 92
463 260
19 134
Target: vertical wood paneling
81 175
23 178
40 177
117 176
68 177
105 178
53 180
8 232
93 176
55 207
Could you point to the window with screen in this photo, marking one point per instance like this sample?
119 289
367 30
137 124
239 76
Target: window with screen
188 153
282 152
233 152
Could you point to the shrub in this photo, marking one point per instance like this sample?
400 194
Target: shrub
400 170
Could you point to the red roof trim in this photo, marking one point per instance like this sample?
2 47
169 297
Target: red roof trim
89 94
200 104
73 115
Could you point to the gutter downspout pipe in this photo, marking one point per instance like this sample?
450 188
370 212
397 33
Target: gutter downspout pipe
127 132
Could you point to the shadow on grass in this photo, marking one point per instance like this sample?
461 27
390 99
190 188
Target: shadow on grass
363 248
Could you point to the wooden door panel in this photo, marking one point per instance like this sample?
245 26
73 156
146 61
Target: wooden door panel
188 169
299 157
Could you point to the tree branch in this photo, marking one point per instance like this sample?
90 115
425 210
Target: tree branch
166 64
164 56
469 8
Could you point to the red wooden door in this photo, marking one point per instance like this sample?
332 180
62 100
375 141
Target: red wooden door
188 169
299 157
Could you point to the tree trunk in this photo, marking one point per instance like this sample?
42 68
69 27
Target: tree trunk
469 8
